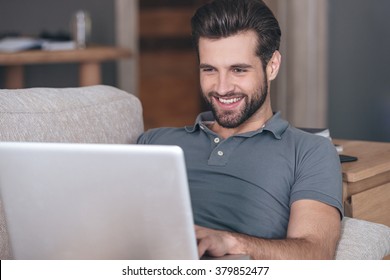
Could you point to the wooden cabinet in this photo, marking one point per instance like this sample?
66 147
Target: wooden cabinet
366 182
168 65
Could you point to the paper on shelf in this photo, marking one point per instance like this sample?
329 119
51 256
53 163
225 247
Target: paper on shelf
16 44
56 45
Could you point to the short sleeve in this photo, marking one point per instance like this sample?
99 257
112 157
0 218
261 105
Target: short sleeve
318 173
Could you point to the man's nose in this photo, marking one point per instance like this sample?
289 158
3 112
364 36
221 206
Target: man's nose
224 84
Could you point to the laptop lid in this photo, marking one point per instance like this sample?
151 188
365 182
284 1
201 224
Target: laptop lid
96 201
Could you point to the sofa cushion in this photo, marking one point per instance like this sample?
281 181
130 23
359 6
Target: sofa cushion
363 240
95 114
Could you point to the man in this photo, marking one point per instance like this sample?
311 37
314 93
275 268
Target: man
258 186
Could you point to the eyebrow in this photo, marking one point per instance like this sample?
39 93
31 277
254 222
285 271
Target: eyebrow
204 65
239 65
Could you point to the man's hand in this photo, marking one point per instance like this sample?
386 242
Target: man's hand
215 243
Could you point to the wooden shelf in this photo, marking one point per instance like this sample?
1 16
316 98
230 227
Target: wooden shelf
89 60
96 54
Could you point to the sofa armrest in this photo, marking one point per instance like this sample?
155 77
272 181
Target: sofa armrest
363 240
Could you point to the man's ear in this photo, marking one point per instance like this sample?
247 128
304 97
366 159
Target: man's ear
274 65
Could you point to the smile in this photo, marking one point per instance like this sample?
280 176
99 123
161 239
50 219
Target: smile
229 101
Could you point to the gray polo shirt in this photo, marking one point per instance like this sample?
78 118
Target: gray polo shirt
247 183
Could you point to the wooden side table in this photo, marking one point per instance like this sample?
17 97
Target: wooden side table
366 182
89 60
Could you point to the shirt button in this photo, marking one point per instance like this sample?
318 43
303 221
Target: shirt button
220 153
216 140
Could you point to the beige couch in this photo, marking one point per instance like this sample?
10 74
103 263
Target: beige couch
102 114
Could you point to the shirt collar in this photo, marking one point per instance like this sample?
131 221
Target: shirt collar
201 120
276 125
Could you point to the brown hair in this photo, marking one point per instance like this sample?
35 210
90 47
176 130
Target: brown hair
224 18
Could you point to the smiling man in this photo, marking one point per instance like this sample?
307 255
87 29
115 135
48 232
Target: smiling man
258 186
234 82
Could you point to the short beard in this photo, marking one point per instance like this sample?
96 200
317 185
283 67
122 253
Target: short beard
228 119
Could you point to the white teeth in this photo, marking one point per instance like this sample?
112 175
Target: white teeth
229 101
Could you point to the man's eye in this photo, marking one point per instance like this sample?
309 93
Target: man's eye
239 70
207 69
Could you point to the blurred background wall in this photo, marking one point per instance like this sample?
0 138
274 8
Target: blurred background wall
359 69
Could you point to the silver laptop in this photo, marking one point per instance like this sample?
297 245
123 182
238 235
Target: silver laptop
96 201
